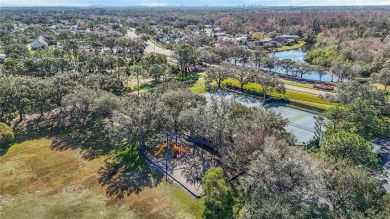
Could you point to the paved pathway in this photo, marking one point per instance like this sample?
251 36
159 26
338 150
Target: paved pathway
307 90
150 47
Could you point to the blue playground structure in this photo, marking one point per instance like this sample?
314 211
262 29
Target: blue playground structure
171 148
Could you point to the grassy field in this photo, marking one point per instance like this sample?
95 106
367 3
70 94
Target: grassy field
199 86
298 96
285 48
298 84
38 182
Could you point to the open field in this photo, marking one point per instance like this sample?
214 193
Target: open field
199 86
285 48
38 182
302 97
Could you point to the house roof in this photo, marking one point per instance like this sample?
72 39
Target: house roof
39 42
290 36
280 39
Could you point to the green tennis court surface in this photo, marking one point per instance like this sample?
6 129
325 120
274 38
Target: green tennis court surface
301 123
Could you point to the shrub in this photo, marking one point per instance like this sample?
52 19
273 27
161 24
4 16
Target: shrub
6 133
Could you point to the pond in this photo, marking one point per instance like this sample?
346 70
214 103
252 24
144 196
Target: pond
298 55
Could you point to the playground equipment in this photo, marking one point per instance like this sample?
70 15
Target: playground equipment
179 149
176 148
163 146
174 143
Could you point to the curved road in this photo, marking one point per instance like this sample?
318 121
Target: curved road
150 47
307 90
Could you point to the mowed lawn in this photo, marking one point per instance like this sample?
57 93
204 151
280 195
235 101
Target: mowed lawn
298 96
38 182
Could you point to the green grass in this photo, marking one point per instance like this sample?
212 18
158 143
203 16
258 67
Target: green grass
298 84
298 96
38 182
199 86
186 78
285 48
144 86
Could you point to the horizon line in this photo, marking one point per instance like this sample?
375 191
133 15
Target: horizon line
196 6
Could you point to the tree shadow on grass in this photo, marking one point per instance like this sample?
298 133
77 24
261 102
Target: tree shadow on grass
30 134
126 173
91 147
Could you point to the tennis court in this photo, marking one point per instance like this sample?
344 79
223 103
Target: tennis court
301 122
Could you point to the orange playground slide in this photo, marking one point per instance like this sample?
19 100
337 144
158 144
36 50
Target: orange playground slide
163 146
179 149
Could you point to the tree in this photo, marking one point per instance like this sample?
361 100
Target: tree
139 72
302 68
258 36
281 181
219 194
6 133
186 57
270 62
217 74
352 193
16 50
269 83
287 65
177 101
123 127
243 75
258 56
246 57
359 117
208 56
110 42
383 77
237 53
153 58
320 71
343 146
158 70
136 48
353 90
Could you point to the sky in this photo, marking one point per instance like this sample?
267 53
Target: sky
4 3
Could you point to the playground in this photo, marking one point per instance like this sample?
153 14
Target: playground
182 160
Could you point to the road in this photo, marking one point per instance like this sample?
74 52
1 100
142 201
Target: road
307 90
150 47
153 48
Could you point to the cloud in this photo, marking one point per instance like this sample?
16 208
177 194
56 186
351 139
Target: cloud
189 3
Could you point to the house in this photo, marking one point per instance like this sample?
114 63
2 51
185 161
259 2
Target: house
39 42
270 43
280 40
217 29
294 38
